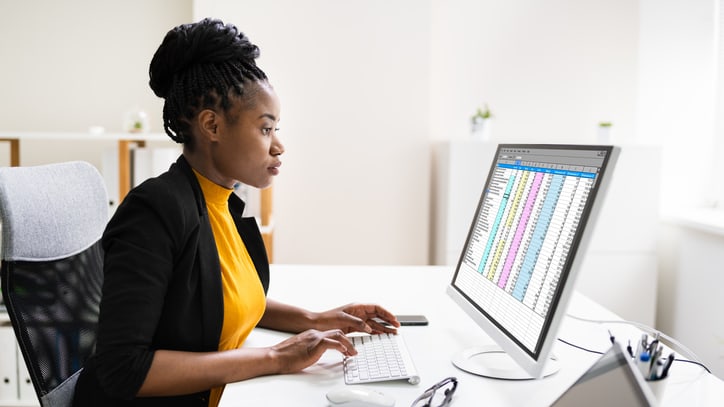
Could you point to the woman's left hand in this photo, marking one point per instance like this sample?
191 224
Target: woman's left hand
358 318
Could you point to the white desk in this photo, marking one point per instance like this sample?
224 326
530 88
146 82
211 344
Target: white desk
421 289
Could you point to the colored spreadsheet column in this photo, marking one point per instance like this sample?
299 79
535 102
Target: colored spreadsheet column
522 224
496 225
538 236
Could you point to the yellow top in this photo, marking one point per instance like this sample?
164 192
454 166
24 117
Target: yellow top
244 299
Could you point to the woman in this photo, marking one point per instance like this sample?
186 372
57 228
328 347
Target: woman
185 277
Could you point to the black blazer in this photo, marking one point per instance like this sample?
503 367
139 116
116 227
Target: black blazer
162 287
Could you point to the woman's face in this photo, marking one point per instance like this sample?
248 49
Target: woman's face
247 148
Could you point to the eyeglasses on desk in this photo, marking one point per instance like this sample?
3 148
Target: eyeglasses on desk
427 398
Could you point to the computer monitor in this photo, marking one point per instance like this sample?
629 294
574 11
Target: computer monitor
518 265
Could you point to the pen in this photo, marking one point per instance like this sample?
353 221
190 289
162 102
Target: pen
657 371
630 351
643 363
655 356
653 345
640 347
667 366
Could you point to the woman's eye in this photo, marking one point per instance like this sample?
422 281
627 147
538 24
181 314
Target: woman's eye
267 130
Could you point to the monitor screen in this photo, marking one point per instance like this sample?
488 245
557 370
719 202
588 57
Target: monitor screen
519 258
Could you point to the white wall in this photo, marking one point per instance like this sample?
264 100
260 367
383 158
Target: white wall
353 82
69 65
365 88
549 70
677 93
677 109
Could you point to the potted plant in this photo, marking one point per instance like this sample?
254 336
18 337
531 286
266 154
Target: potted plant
604 132
480 122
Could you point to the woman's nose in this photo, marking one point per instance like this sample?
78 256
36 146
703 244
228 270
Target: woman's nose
277 147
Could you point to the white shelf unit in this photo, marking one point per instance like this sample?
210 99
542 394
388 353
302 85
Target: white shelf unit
16 389
620 266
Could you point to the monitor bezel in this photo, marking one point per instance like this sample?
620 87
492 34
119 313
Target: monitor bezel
535 362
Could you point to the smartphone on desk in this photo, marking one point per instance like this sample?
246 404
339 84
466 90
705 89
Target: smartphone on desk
412 320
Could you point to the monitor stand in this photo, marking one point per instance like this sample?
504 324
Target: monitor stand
492 361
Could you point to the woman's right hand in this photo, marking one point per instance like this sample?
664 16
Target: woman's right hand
306 348
176 372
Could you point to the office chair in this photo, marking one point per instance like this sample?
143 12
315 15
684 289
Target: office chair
52 218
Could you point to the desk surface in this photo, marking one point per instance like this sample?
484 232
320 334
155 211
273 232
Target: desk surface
421 290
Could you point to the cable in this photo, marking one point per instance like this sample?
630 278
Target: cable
649 330
573 345
694 362
580 347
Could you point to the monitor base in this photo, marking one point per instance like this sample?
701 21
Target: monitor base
492 361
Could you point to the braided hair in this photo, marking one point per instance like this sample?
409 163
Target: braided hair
198 66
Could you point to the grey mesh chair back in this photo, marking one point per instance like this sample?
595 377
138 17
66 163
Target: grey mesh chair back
52 218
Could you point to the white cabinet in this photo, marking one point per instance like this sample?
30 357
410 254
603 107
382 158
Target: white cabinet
620 266
8 365
16 389
691 283
460 169
620 269
26 391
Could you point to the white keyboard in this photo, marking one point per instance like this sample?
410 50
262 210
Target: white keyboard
379 358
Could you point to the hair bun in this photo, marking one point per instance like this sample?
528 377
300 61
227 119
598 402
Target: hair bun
209 41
